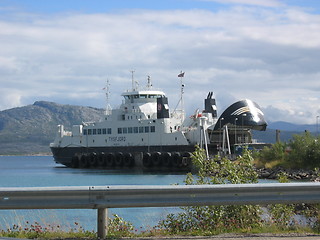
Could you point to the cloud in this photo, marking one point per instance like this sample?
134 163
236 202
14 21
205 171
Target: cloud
267 55
268 3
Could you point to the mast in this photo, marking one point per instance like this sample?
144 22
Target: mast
149 83
132 79
107 90
181 75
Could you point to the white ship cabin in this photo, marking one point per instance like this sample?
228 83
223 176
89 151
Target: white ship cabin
142 119
137 105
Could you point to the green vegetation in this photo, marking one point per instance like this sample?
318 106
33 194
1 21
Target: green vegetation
210 220
302 151
118 227
205 220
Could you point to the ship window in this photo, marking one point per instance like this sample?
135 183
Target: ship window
89 131
85 131
140 129
123 117
99 131
125 130
146 129
152 129
143 96
119 130
135 129
129 129
94 131
109 131
104 131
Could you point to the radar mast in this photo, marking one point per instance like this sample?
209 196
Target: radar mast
107 91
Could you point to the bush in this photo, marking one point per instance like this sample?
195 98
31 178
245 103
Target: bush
305 151
276 152
217 219
302 151
208 220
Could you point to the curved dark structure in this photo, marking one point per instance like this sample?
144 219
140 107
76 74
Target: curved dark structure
245 113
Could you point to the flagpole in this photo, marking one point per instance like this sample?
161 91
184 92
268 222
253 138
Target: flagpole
181 75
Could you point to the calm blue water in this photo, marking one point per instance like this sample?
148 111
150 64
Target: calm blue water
42 171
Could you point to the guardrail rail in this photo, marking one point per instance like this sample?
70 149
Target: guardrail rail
126 196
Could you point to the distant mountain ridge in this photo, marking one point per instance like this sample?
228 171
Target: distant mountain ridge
286 126
30 129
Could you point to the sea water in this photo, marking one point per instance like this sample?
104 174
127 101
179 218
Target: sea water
42 171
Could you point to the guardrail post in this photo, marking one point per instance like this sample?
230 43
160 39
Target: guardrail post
102 223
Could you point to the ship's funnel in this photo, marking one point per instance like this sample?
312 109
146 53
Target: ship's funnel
245 113
162 108
210 105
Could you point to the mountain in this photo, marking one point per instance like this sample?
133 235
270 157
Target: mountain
286 126
30 129
287 130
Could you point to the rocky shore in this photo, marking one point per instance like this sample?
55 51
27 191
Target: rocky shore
293 174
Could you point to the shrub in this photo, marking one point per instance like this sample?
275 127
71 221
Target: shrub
305 151
216 219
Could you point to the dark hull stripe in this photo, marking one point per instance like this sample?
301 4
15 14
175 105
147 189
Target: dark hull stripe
64 155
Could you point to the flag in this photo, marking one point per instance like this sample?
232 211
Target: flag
181 74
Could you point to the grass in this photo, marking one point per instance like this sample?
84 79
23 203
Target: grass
120 228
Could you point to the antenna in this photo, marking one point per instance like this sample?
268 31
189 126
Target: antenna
149 84
107 90
132 78
181 75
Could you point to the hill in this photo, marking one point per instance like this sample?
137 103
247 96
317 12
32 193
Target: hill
30 129
287 130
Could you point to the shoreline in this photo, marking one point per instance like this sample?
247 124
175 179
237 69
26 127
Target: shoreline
263 173
292 174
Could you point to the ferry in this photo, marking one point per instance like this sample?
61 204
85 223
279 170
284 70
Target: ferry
144 133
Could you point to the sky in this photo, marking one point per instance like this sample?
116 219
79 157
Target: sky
65 51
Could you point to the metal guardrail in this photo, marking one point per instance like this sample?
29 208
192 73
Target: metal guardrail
104 197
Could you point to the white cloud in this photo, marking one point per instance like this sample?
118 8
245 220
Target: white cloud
263 3
267 55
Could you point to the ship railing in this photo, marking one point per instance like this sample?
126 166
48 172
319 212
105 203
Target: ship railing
104 197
